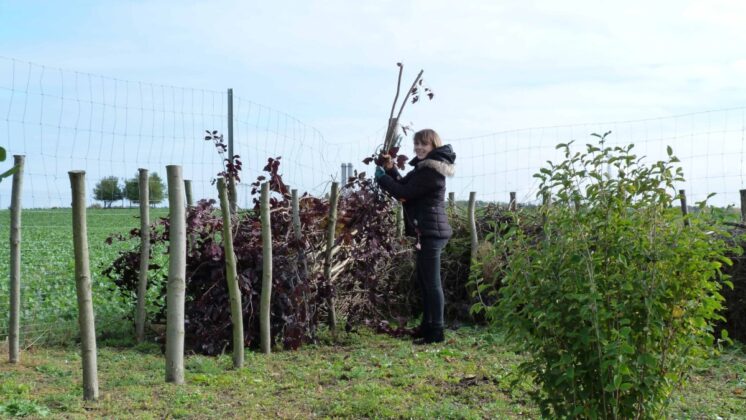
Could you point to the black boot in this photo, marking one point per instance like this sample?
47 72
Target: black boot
432 335
420 330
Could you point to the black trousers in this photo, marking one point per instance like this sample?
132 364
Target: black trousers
428 278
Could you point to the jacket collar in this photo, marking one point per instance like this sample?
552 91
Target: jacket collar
443 168
441 159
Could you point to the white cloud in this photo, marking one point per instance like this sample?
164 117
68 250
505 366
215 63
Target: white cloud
493 65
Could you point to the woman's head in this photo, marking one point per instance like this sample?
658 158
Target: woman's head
425 141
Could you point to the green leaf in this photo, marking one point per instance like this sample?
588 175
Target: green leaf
3 155
669 150
8 173
625 386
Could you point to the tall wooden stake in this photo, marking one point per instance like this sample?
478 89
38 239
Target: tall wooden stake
473 224
188 190
14 329
176 287
684 208
232 193
231 276
513 206
328 260
266 296
142 281
83 287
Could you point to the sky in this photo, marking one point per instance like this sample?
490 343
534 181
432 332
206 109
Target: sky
495 66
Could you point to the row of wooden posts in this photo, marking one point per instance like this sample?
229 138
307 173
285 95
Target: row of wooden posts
178 190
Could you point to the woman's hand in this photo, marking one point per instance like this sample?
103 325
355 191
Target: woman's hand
387 162
379 173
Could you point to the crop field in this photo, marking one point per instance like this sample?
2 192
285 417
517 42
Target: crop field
48 268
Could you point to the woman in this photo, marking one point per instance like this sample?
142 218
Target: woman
423 191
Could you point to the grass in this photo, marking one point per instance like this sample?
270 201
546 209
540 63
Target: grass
362 375
472 375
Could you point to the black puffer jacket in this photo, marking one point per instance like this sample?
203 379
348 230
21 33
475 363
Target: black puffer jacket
423 192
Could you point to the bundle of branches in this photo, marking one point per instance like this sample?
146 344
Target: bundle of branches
298 291
375 258
364 249
392 140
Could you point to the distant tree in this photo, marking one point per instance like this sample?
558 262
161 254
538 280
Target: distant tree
108 191
132 190
156 189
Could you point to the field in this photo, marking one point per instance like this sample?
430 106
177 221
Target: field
472 375
47 274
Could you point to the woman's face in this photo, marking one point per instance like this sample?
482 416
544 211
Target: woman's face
421 150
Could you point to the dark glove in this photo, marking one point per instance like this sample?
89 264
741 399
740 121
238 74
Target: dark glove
379 173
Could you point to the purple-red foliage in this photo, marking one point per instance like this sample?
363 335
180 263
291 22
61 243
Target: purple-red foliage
232 164
366 236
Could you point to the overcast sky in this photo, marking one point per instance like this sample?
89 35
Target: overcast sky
493 65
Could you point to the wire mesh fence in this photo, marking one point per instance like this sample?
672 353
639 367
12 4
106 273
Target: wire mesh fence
710 145
63 120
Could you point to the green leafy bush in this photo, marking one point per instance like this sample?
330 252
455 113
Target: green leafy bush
616 297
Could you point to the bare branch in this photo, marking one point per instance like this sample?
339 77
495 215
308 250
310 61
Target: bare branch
398 87
409 92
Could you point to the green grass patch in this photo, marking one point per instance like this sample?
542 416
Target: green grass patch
471 375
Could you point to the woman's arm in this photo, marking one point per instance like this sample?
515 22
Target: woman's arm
416 186
393 173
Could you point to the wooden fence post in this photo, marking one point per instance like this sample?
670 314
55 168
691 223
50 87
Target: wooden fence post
743 205
684 208
14 327
231 276
83 287
399 219
142 281
301 266
176 286
188 190
473 224
232 193
295 207
513 206
266 296
452 202
332 316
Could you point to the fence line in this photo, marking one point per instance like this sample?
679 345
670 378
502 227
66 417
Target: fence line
63 120
710 145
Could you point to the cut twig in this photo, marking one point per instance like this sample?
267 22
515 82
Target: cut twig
398 87
409 92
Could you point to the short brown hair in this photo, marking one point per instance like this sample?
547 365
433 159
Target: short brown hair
428 136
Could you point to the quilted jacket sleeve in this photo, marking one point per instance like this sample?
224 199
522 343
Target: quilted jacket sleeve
394 173
414 187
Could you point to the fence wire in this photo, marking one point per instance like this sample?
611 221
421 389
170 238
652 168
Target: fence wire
64 120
